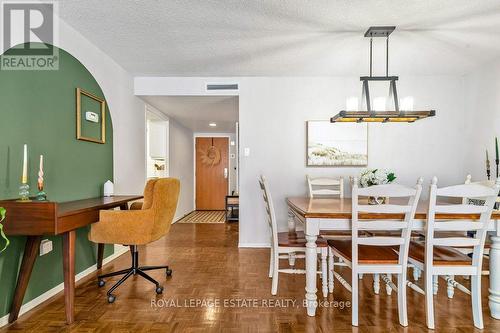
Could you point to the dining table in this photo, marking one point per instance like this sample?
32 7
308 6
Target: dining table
329 214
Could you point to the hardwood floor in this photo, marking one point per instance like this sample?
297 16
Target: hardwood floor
208 265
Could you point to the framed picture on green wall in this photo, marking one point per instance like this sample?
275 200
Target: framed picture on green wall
90 117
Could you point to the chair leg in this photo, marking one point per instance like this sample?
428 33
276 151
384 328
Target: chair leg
274 287
429 300
291 259
477 312
123 271
271 263
376 283
388 288
416 273
354 301
450 290
435 284
331 263
147 277
134 269
324 271
116 285
402 305
150 268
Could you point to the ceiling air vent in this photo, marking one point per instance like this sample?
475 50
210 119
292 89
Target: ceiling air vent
230 86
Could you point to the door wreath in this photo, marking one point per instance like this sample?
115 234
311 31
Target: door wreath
210 156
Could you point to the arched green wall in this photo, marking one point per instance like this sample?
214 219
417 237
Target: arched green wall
39 108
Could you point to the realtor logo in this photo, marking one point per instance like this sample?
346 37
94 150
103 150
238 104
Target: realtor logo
29 31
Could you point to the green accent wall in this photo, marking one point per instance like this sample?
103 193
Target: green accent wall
39 108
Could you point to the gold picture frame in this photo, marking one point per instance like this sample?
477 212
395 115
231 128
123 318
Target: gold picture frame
79 93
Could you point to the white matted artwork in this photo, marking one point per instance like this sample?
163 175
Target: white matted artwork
337 144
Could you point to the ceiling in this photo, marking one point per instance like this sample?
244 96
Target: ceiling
196 112
287 38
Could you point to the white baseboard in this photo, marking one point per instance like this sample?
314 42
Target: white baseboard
254 245
60 287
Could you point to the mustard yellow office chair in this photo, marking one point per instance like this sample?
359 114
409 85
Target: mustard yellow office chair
144 223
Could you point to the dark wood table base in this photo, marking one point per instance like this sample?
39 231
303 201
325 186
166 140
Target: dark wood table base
72 215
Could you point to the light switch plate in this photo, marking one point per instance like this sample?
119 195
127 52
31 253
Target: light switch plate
246 152
45 247
92 117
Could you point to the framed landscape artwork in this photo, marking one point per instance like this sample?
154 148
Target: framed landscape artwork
337 144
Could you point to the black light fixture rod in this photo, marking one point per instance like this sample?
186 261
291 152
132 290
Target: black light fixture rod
371 56
387 56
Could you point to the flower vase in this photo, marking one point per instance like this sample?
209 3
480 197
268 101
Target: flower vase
376 200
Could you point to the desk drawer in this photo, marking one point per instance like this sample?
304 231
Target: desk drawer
72 222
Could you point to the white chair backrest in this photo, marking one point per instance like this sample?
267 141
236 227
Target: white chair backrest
461 212
270 214
468 180
403 225
325 186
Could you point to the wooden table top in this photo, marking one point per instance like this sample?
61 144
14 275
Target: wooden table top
53 218
80 206
340 208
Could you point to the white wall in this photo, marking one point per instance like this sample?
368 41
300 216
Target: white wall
273 112
181 154
482 112
127 110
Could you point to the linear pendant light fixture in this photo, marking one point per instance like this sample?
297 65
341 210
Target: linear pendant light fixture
369 115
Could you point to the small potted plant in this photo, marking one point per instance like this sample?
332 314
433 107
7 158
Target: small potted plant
2 234
371 177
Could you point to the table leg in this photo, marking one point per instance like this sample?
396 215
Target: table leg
291 222
312 231
29 257
494 296
69 239
100 255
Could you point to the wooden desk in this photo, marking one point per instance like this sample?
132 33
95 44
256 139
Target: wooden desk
318 214
36 219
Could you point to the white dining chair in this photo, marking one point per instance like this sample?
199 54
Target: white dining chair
285 243
371 254
468 250
328 187
437 256
325 187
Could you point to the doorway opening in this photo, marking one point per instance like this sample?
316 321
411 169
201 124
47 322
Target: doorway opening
203 154
157 142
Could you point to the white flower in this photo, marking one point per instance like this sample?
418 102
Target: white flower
370 177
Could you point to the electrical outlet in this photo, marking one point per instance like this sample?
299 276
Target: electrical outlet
45 247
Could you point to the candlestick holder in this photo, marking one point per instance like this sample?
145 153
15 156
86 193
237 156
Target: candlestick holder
488 173
41 195
24 192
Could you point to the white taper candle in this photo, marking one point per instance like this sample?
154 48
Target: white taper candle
24 179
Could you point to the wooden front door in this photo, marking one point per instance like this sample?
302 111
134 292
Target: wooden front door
212 173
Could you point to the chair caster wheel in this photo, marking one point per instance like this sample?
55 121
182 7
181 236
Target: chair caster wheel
101 283
111 299
159 290
169 272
